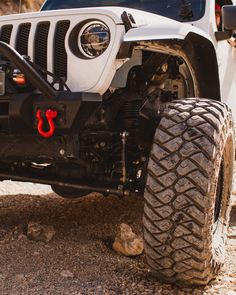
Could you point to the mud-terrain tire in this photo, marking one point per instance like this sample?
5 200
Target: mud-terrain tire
187 193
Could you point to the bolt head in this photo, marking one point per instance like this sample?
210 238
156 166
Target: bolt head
62 152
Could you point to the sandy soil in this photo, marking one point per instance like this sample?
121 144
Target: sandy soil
79 259
8 187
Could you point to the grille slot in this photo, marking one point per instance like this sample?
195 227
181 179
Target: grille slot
6 33
60 54
32 39
41 43
23 38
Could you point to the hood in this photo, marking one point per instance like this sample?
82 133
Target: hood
153 26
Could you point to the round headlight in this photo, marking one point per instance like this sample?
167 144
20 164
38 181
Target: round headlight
94 38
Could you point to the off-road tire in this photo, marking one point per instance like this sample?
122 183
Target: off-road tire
188 189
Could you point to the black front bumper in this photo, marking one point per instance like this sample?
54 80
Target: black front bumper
73 110
18 111
20 136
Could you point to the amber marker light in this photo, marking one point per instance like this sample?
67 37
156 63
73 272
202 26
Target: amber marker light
20 80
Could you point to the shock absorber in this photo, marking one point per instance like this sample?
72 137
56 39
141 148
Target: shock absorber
124 137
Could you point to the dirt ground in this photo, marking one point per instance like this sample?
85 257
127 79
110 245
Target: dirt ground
79 259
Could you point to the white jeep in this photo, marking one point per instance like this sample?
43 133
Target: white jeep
128 96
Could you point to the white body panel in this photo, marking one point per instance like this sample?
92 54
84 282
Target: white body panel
226 56
92 75
95 75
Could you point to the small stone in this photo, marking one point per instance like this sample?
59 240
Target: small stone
234 198
39 232
2 277
229 279
20 278
22 237
66 274
232 232
127 242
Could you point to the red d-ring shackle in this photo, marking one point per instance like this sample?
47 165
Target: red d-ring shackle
50 115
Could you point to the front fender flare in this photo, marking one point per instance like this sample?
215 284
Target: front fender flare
195 47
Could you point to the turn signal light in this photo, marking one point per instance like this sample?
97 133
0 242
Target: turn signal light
19 80
19 77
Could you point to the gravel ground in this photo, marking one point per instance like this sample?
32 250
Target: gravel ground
79 259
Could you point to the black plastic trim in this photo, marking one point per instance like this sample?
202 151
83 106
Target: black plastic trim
31 74
6 31
60 58
22 38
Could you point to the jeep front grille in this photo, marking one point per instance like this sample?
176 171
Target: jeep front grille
51 39
60 56
41 44
6 33
22 38
44 42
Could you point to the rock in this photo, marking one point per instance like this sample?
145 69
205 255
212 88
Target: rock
22 237
234 199
127 242
2 277
66 274
232 232
39 232
19 278
229 279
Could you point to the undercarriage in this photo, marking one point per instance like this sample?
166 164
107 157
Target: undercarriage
92 143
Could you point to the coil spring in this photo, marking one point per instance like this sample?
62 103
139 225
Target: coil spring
130 116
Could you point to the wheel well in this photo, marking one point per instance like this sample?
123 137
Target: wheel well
196 52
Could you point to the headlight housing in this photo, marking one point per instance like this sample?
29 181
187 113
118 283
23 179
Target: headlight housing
93 39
